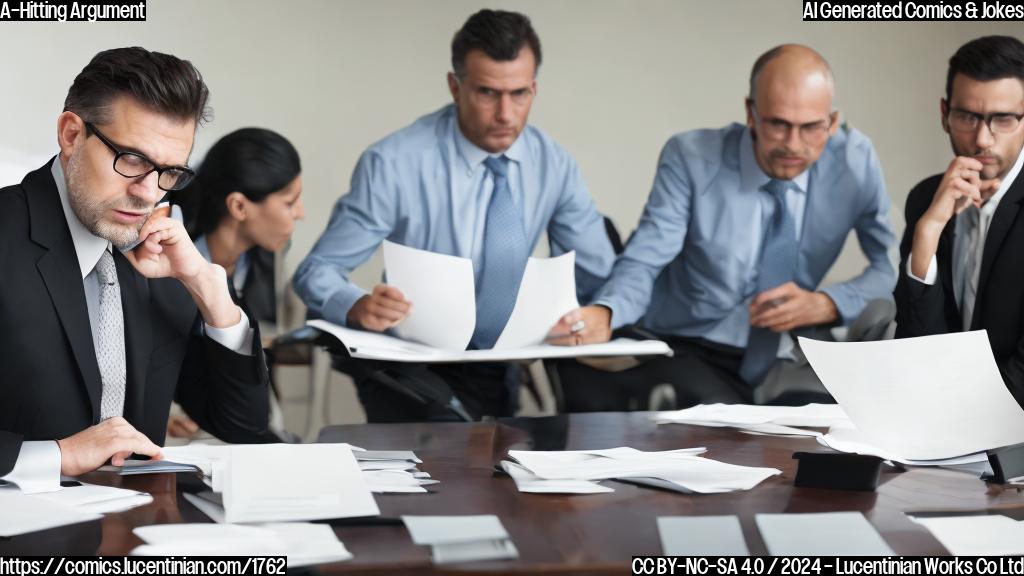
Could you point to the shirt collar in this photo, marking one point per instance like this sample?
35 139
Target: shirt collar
88 246
203 247
472 155
993 202
751 174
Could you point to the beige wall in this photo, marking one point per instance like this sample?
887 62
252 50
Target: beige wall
619 77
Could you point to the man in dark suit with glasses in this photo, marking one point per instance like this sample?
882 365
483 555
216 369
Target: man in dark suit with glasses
962 249
108 311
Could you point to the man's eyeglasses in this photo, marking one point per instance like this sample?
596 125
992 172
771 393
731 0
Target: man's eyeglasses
135 165
776 129
998 122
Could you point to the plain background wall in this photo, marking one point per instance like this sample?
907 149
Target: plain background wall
619 77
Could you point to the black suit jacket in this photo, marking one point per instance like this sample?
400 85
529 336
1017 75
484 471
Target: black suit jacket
50 383
999 305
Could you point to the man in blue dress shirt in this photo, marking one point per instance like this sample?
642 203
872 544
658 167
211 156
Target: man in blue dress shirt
472 179
740 228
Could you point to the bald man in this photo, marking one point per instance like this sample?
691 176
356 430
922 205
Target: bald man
740 228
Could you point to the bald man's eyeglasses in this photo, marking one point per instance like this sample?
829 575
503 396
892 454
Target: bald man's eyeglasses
777 130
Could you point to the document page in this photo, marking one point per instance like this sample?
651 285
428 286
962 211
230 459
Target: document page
921 398
547 292
442 291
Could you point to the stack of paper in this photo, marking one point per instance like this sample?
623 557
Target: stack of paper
392 471
993 535
920 399
775 420
462 538
280 482
303 543
682 470
824 534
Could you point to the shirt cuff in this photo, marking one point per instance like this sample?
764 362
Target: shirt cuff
37 468
237 338
929 277
337 306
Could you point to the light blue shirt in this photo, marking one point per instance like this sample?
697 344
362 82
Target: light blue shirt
425 186
690 269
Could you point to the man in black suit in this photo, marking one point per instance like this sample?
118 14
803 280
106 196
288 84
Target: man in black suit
107 310
963 249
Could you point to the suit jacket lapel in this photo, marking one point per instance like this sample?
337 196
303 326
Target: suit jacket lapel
61 273
1002 220
137 334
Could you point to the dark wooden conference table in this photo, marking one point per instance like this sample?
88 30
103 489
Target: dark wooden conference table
555 534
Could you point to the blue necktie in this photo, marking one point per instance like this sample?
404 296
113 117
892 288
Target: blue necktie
503 260
778 266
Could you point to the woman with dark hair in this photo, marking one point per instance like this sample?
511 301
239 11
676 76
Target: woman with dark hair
241 209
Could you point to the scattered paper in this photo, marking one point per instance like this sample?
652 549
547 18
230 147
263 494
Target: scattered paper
823 534
852 440
769 420
23 513
923 398
992 535
304 544
684 470
702 536
527 481
97 499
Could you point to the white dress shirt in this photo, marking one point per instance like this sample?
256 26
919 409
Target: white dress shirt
968 248
38 466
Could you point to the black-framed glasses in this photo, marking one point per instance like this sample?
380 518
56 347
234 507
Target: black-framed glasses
134 165
776 129
962 120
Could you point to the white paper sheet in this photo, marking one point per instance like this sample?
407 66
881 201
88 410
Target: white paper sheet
922 398
97 499
992 535
683 468
852 440
22 513
432 530
373 346
442 292
745 415
547 292
288 482
702 536
824 534
303 543
527 481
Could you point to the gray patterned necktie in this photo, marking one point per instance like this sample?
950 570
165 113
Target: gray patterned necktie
110 339
504 259
779 256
